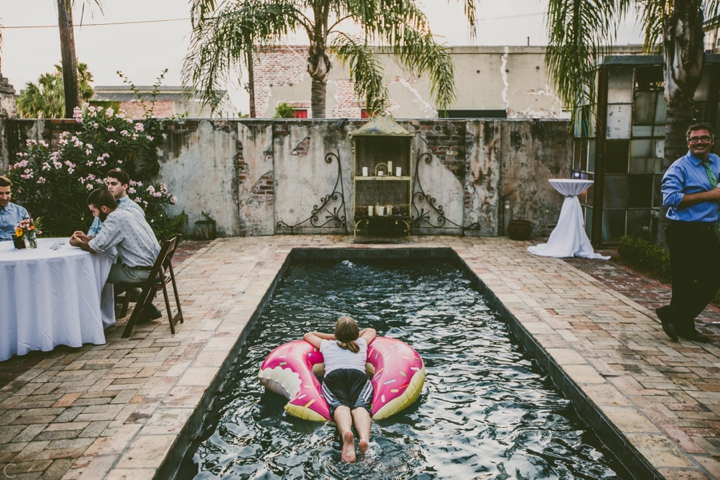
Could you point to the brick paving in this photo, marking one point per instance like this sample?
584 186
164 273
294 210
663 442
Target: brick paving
115 410
647 292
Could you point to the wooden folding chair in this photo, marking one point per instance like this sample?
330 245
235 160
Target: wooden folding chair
160 275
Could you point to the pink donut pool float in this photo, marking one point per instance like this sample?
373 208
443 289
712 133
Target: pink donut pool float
397 373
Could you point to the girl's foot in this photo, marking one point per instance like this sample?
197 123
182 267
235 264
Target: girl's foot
363 446
348 448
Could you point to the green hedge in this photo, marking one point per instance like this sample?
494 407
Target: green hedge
646 256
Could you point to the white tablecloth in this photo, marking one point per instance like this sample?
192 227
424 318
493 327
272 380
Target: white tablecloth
53 297
569 239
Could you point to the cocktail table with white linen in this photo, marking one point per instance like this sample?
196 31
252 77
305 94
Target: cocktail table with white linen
569 239
53 295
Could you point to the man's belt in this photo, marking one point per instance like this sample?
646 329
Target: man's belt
140 267
704 225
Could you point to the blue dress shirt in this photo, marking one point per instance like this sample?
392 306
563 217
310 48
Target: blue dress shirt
687 175
10 216
124 202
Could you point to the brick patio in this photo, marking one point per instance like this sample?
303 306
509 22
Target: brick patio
114 411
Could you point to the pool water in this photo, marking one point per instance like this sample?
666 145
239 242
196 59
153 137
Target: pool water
485 411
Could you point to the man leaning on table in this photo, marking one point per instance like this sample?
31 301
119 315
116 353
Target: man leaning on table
10 213
130 234
117 183
689 189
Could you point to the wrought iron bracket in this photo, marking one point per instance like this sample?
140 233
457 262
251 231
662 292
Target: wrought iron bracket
424 205
331 213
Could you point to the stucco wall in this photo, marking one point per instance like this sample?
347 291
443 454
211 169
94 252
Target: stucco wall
261 177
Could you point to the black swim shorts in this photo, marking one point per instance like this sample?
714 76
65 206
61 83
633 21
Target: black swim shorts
348 387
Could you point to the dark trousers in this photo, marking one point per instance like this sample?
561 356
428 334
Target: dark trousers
695 269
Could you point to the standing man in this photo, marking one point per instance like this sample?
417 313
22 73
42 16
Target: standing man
130 234
117 183
689 189
10 213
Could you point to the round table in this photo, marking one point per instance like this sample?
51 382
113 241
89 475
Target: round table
53 295
569 239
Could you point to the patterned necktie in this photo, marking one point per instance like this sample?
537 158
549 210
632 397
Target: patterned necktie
710 174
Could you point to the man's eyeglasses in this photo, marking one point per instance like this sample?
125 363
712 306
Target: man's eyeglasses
704 138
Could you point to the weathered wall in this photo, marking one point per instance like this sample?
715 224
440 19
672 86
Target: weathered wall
261 177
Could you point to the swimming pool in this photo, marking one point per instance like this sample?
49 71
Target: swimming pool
486 411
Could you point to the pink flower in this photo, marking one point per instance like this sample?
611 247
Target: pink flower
150 138
41 180
89 186
109 112
139 127
110 129
174 200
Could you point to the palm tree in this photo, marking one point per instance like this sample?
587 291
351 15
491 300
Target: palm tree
47 98
225 35
581 31
69 59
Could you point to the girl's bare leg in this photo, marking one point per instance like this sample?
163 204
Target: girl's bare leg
362 421
343 419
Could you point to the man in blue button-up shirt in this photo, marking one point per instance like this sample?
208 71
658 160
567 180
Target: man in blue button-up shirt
10 213
689 190
117 183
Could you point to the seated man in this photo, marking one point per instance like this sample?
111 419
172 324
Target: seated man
117 183
10 213
130 234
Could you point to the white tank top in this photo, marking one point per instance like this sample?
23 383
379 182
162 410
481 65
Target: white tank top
336 357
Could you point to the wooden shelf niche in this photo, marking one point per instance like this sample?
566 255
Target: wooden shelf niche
382 199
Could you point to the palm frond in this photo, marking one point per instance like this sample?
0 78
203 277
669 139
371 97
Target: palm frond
366 71
404 26
653 18
226 39
580 32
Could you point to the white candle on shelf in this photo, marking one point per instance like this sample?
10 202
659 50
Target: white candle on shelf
398 172
381 211
389 163
370 210
389 209
365 171
380 173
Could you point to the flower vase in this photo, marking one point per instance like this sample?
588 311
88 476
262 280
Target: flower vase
18 242
30 239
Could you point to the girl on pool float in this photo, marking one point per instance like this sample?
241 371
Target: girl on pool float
346 387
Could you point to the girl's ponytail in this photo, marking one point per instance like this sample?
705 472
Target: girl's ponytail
346 332
351 345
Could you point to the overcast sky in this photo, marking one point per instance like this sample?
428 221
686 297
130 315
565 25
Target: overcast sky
143 50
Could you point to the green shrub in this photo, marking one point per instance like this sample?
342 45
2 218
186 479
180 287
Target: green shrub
284 110
647 256
53 183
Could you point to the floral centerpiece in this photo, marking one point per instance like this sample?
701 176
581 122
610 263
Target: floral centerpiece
26 234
